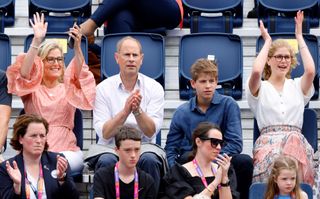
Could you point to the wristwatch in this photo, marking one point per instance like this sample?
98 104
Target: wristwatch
137 112
226 184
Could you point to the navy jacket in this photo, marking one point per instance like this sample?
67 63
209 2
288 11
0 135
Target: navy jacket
53 189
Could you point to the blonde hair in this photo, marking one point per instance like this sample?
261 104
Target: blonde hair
204 66
45 48
280 43
281 163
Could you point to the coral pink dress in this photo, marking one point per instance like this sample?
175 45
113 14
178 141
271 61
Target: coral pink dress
57 105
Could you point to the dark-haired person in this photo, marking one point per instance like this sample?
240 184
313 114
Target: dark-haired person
35 172
5 110
208 105
207 174
124 180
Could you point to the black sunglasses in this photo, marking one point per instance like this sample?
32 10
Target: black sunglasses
214 141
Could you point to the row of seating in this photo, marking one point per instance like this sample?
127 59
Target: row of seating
192 47
201 15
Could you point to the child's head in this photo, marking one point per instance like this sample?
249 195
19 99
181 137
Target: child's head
128 144
283 179
204 66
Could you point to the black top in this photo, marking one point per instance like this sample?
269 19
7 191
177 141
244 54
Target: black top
104 185
5 98
179 183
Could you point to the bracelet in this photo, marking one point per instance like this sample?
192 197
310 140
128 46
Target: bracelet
302 47
209 189
33 46
226 184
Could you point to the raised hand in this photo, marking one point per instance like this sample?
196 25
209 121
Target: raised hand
62 165
136 100
299 20
14 172
76 34
39 26
264 32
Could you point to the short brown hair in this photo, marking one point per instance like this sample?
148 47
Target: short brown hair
204 66
126 132
20 129
280 43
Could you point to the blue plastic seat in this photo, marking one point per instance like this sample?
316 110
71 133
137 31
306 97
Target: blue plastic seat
309 128
227 50
63 37
6 14
312 43
154 55
258 190
5 49
278 15
61 14
214 16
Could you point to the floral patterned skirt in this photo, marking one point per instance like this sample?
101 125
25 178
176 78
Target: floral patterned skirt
282 140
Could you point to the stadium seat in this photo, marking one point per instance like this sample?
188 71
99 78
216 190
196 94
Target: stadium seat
5 49
278 15
6 14
61 14
214 16
312 43
258 190
309 128
62 39
154 55
227 51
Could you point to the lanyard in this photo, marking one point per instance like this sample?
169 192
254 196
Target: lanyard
37 191
203 179
117 183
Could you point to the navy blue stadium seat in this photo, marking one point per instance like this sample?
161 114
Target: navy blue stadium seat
154 55
6 14
227 50
312 43
278 15
309 128
214 16
5 49
61 14
258 190
63 37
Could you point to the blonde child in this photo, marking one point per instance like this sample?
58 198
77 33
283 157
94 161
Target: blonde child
284 182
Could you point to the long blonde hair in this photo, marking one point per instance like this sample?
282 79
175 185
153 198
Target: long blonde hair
45 49
280 43
280 163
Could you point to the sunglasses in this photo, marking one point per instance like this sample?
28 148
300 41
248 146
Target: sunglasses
214 141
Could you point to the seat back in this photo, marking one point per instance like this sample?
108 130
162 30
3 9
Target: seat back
229 60
61 14
5 49
312 43
309 128
214 16
62 39
7 14
77 129
154 55
258 190
278 15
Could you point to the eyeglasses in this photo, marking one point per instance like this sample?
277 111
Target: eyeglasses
279 58
52 60
214 141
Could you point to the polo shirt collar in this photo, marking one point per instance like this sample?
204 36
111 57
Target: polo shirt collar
217 97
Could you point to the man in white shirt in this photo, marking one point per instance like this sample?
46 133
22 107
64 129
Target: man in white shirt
130 98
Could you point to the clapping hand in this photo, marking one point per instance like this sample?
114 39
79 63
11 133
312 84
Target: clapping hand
299 20
224 162
62 165
14 172
264 32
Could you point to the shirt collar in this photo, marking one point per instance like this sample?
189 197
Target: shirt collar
217 97
119 83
